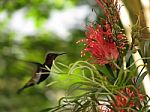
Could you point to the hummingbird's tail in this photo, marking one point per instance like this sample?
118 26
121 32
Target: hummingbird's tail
24 87
20 90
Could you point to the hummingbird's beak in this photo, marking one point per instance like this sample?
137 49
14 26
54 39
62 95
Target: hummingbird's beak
61 54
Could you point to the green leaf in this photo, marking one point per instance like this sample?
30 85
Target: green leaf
140 79
110 74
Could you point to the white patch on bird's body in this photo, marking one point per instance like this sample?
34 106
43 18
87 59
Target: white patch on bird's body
37 77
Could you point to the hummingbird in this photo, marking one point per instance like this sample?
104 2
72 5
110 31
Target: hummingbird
41 72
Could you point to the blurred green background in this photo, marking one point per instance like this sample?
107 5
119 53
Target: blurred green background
45 26
30 38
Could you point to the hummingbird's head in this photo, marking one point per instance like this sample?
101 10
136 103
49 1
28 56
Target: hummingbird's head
52 56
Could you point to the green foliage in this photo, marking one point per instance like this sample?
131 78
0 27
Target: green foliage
86 83
88 88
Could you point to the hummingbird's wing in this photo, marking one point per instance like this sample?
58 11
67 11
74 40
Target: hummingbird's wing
32 62
22 60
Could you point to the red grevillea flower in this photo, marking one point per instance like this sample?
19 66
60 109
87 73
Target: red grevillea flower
100 44
128 99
